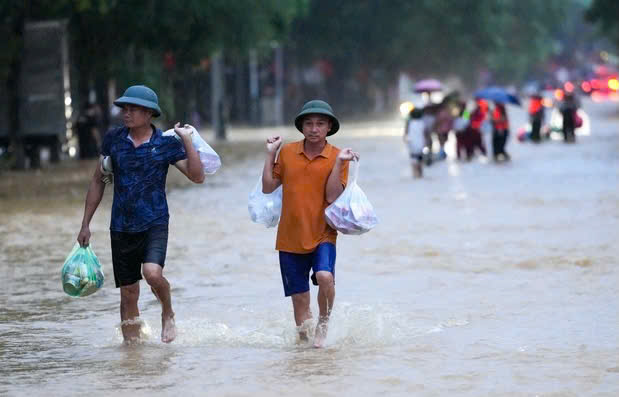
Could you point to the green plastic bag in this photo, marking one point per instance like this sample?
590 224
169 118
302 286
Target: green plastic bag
81 273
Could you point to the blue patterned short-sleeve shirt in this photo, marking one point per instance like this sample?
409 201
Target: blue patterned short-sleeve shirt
140 178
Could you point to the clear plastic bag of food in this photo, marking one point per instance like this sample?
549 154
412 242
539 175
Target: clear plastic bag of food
81 272
208 157
352 212
265 208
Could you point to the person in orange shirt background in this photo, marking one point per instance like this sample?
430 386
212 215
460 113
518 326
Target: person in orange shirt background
313 173
477 119
500 132
536 115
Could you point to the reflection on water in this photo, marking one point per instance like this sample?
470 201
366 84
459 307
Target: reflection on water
480 277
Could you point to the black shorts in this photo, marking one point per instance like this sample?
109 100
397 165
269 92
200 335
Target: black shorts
131 250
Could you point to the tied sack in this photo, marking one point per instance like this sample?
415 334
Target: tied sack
351 212
577 119
265 208
208 157
81 272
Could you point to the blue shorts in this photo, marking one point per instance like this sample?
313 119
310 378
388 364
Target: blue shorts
295 268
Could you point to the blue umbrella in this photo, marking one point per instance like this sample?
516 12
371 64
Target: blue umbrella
497 94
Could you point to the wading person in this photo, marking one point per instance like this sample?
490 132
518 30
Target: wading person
313 173
476 140
536 116
415 138
140 157
568 108
500 132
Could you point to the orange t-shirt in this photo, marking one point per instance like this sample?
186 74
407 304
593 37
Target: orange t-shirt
302 225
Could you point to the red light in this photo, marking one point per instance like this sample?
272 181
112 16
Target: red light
586 87
568 86
559 94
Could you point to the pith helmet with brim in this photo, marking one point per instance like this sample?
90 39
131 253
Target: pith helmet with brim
317 106
140 95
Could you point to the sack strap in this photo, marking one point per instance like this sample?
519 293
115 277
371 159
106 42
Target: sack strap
352 174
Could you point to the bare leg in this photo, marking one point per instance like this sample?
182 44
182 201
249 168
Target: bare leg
417 169
326 296
129 313
153 273
302 312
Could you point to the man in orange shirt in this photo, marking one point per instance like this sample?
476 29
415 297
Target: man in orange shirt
313 173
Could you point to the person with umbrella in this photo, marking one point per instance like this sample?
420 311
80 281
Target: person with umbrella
500 124
427 87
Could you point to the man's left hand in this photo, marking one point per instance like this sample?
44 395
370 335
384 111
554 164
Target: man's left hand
347 155
184 131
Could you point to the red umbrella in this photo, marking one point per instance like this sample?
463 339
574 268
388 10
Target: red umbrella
428 85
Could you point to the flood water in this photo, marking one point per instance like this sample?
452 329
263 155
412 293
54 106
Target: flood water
481 279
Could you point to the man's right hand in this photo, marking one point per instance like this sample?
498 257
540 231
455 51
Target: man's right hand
84 236
273 143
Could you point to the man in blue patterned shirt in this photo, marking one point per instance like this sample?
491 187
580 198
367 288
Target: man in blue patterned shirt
140 156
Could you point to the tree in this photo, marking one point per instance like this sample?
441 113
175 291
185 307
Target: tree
605 13
428 37
156 42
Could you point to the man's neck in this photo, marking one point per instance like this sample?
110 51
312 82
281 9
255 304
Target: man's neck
141 133
313 149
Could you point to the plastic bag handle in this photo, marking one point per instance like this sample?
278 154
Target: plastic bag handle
352 175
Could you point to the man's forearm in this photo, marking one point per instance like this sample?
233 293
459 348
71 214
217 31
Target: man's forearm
194 166
334 186
268 182
93 198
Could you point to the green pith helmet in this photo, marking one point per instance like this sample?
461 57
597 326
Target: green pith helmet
140 95
317 106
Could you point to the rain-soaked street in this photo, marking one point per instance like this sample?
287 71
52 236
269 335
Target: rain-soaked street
481 279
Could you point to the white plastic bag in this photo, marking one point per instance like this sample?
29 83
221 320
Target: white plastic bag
351 212
265 208
208 157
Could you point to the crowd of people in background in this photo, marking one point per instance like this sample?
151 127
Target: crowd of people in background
570 119
428 123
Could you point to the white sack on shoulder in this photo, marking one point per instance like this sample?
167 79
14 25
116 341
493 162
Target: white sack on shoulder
351 212
208 157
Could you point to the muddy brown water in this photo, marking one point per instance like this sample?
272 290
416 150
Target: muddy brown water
481 279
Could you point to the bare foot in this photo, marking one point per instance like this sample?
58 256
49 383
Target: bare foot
321 333
131 330
168 328
303 336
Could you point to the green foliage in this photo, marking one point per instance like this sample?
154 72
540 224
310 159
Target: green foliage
117 36
131 39
431 37
605 13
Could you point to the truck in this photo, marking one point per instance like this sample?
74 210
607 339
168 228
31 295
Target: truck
45 106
